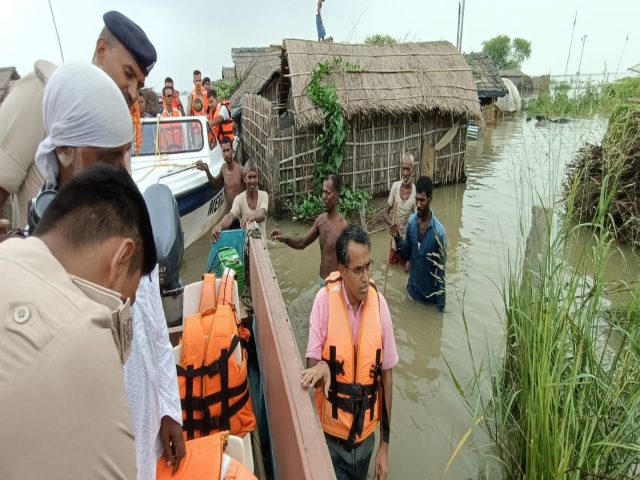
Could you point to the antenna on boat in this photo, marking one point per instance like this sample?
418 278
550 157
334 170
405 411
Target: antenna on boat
56 28
621 55
570 45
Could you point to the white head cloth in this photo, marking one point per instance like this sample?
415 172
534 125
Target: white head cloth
83 107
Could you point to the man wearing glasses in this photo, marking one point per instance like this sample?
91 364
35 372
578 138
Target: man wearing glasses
350 356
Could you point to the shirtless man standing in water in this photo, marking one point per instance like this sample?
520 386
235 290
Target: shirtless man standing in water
231 174
328 226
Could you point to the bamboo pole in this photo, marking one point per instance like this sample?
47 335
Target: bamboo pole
393 221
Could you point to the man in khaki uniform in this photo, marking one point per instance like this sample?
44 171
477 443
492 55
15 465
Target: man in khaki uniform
67 331
123 51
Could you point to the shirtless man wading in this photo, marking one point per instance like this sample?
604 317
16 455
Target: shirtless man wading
231 174
328 226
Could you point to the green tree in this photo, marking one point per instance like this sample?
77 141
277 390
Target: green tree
506 53
379 39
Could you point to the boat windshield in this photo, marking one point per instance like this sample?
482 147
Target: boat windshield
174 136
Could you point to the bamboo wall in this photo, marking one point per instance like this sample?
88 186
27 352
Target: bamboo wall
374 150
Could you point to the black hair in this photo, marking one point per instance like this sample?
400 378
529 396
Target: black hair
353 233
206 79
335 181
212 93
167 88
167 80
97 204
197 72
424 185
226 139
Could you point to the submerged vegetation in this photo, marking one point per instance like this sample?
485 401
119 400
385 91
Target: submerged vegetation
562 400
593 99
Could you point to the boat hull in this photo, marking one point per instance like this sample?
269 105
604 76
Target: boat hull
200 209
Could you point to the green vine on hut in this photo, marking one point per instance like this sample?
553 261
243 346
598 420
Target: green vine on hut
332 140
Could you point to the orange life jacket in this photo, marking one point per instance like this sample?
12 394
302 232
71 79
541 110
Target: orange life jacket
213 388
352 410
199 103
225 129
203 461
170 134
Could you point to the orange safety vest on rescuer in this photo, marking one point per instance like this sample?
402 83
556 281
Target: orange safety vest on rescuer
199 103
171 138
203 461
213 387
352 410
225 129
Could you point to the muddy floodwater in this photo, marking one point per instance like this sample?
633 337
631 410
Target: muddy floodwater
486 220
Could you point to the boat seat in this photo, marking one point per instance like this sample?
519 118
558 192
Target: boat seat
239 448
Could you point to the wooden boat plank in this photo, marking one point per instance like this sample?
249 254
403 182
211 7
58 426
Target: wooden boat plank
298 440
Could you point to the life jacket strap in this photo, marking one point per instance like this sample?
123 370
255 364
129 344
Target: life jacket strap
208 423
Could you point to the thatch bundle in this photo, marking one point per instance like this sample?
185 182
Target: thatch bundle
151 98
614 164
264 67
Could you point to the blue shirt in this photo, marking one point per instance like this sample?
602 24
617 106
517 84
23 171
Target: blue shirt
428 260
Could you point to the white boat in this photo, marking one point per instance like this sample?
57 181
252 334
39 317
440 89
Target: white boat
169 150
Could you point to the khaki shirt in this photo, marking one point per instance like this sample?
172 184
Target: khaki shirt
63 407
21 131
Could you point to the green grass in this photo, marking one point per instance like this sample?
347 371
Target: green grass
561 398
594 99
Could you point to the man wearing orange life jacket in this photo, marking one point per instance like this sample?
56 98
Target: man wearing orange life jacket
350 356
212 375
197 102
171 138
220 119
177 104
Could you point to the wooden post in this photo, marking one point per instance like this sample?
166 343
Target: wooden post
389 156
537 246
355 132
373 150
293 152
404 134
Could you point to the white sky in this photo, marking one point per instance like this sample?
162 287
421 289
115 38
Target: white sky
201 36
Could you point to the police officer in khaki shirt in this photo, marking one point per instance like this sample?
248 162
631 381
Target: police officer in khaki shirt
66 331
123 51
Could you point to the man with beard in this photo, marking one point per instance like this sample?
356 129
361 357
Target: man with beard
123 51
249 206
402 199
328 227
425 245
231 175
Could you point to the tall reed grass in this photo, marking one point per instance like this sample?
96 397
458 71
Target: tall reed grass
562 398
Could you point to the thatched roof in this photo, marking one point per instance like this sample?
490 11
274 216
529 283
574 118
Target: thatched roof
243 58
228 74
262 70
397 79
486 76
514 72
7 75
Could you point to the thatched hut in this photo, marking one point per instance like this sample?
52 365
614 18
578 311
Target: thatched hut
489 83
260 78
8 75
415 97
523 82
229 74
244 57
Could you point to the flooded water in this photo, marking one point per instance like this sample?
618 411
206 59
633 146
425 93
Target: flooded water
486 220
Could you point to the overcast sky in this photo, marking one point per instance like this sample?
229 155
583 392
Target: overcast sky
202 36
